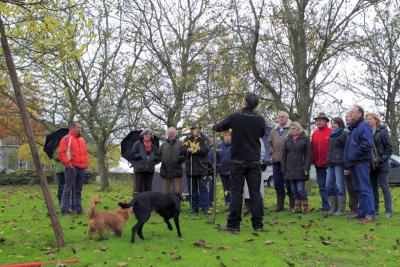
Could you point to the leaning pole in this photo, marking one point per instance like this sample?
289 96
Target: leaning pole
31 138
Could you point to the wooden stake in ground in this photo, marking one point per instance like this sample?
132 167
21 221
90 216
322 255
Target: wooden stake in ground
29 134
215 175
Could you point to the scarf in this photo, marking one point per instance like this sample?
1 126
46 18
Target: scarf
147 146
337 131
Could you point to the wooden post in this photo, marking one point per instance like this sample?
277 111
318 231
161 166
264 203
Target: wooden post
31 138
215 175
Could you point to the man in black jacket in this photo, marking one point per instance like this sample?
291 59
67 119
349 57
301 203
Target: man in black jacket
247 129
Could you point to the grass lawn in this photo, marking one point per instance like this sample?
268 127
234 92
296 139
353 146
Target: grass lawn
290 240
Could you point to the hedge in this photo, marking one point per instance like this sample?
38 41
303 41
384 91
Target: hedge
30 177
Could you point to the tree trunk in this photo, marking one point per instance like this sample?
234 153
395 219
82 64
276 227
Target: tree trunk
101 160
393 121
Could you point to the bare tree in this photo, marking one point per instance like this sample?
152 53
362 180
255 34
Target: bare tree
377 46
294 46
175 34
93 77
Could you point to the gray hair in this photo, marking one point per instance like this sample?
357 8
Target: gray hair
298 127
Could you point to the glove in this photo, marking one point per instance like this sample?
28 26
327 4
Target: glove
263 165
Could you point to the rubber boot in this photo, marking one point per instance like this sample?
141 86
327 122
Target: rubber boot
291 203
304 202
297 206
280 203
333 203
341 206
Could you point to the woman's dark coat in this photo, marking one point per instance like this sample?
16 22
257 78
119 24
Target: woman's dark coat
383 145
296 158
143 162
337 143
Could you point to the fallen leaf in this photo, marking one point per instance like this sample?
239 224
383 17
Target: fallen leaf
306 225
223 248
269 242
235 259
175 256
122 264
201 243
326 242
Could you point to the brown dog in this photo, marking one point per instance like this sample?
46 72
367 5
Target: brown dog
99 221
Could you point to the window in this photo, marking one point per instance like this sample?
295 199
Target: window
22 164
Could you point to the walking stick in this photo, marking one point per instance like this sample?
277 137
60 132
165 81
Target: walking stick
215 175
191 181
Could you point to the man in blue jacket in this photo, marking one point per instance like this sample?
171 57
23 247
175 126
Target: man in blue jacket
358 155
223 165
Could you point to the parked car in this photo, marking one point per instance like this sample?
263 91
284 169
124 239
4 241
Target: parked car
394 173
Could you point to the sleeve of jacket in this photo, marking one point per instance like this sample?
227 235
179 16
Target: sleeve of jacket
224 125
210 156
366 139
182 153
135 153
270 142
307 161
284 155
62 152
387 145
204 147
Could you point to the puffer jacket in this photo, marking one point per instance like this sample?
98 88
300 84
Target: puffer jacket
296 158
75 146
143 162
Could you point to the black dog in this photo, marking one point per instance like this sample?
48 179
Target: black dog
167 205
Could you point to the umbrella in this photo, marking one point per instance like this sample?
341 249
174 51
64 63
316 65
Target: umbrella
128 142
52 141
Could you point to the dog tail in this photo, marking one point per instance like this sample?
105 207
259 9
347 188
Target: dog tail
125 205
92 206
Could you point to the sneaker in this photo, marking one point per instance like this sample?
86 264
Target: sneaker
259 230
229 229
388 214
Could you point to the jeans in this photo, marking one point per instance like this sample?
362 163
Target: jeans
362 185
210 189
335 183
226 184
60 178
74 178
251 172
279 182
198 193
382 179
321 180
143 181
298 188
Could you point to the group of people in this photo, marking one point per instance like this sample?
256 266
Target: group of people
352 154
